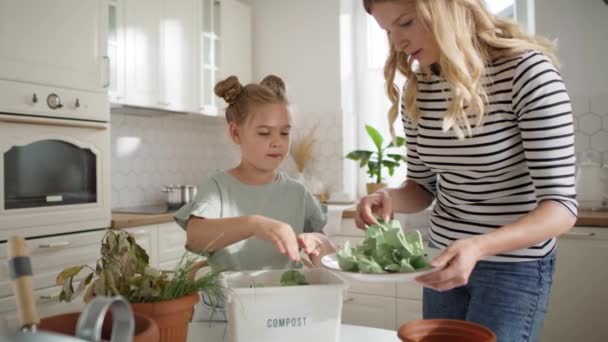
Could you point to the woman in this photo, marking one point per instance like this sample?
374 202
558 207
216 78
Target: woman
490 141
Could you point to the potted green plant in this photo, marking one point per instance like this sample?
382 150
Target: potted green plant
379 160
168 297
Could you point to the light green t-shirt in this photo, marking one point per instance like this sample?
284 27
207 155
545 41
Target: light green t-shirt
285 200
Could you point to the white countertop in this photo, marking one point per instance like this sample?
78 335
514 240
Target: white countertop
216 332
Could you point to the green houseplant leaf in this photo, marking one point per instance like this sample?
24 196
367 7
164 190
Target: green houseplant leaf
123 269
375 135
379 162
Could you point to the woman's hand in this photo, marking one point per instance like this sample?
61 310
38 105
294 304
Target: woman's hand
379 203
280 234
455 265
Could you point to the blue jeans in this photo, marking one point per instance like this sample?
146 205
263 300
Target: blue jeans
510 298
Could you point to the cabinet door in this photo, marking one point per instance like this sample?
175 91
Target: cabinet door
236 40
57 43
50 255
171 242
47 304
369 311
142 51
114 19
577 308
178 55
147 238
408 310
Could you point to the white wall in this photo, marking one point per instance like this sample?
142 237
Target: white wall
299 40
581 28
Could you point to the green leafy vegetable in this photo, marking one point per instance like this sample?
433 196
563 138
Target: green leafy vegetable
293 278
385 249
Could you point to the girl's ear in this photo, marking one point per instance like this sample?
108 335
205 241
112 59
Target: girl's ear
233 130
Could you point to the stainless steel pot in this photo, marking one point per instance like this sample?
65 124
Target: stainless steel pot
174 196
188 193
90 321
178 195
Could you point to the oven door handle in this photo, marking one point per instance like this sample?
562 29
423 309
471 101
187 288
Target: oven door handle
52 121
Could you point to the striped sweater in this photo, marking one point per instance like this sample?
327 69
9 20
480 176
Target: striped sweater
522 155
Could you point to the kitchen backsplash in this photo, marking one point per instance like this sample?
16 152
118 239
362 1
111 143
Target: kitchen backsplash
149 152
591 127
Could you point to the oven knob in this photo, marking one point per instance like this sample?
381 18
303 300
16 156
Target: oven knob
54 101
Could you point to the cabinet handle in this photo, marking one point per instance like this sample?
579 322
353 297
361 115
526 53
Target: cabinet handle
46 299
106 71
164 103
61 244
139 233
579 235
348 300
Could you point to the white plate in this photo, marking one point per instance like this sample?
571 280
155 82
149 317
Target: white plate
330 262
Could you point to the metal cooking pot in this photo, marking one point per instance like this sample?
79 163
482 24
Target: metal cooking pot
178 195
90 321
174 196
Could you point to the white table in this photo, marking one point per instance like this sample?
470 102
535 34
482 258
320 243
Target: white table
216 332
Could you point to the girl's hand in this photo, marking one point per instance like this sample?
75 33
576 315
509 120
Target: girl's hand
280 234
455 263
377 203
315 245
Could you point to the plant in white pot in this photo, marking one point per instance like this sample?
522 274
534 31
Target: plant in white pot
379 160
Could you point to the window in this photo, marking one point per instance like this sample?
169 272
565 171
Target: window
367 58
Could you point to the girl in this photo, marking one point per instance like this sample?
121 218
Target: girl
490 140
253 216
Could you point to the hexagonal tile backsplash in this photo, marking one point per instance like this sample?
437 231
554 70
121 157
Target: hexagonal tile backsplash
591 128
149 152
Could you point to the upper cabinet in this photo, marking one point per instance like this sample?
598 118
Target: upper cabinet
58 43
168 54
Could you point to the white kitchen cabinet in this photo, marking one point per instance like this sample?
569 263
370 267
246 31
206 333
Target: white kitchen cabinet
153 51
147 238
171 246
370 311
577 308
142 20
47 304
178 29
408 310
115 49
225 48
51 255
57 43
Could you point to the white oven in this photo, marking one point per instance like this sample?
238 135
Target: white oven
54 160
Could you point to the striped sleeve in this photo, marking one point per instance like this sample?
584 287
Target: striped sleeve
544 116
417 171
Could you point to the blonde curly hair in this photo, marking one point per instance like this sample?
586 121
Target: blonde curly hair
469 39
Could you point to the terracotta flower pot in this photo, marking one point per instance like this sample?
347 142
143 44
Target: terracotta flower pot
373 187
444 330
171 316
145 328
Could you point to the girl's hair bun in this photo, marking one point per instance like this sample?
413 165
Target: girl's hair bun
229 89
276 84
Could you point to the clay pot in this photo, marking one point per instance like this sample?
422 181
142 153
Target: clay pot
145 328
444 330
373 187
171 316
